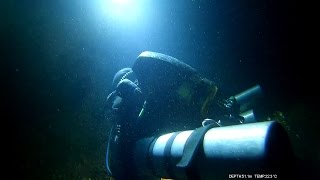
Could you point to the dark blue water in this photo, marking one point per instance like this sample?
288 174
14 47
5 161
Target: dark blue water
62 55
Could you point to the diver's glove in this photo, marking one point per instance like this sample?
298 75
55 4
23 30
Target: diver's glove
230 106
236 109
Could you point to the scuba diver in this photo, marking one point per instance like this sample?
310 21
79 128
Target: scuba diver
160 94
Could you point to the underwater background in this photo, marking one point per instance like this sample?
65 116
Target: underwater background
60 58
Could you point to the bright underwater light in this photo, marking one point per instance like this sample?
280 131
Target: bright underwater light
121 2
123 10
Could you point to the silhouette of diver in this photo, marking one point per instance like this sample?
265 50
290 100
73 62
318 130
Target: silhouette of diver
158 95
